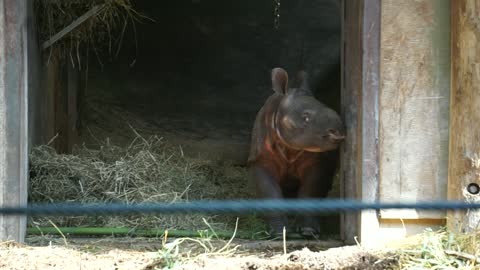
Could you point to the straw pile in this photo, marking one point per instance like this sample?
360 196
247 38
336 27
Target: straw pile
104 30
147 170
442 250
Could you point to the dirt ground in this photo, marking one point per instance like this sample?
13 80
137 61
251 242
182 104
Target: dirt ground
108 253
348 257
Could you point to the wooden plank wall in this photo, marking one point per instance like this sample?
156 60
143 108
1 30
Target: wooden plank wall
35 92
48 84
395 99
13 115
464 163
62 86
414 104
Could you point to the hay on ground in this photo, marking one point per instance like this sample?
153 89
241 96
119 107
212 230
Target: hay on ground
442 250
147 170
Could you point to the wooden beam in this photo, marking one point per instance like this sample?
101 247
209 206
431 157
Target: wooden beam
360 96
63 88
73 85
47 109
464 147
92 12
13 115
60 93
369 119
36 93
351 61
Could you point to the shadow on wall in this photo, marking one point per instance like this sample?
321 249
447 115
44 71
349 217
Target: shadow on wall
207 63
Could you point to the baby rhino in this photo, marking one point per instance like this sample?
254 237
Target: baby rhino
293 152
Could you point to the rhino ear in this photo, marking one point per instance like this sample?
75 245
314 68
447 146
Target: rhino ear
301 82
279 80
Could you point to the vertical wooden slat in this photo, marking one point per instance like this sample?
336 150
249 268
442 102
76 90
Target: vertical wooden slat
63 86
464 147
49 71
360 92
59 89
414 104
73 85
35 91
369 115
351 56
13 115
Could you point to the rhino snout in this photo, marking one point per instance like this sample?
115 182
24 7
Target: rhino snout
335 136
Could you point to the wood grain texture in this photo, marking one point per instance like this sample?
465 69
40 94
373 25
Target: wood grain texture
350 98
36 92
13 115
60 93
464 161
360 90
50 67
369 115
73 90
414 103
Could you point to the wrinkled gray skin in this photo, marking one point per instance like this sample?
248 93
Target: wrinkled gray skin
303 122
294 148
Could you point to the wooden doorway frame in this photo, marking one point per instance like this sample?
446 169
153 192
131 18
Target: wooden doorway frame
361 21
14 130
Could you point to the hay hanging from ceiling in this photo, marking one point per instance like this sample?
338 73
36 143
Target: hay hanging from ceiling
101 32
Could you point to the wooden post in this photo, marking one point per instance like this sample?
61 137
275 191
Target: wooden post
36 93
351 56
60 93
13 115
369 115
73 85
50 67
360 92
464 147
63 87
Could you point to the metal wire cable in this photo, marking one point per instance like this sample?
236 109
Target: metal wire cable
229 207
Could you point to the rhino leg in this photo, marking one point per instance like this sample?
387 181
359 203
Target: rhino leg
268 188
316 183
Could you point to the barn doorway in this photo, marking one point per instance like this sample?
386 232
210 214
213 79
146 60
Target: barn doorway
195 73
200 71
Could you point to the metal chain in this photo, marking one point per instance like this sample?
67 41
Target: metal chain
276 15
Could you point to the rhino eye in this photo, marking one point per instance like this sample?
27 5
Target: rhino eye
306 117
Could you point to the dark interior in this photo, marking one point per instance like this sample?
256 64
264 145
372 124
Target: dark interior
199 72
